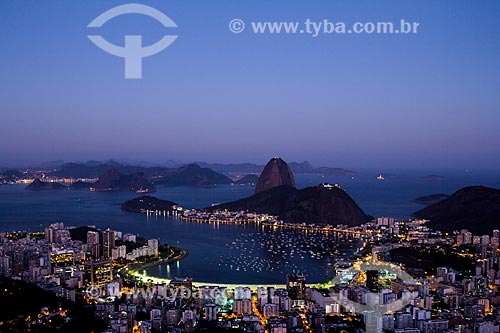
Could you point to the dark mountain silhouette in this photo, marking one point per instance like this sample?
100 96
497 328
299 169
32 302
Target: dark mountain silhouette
303 168
93 169
276 173
113 180
188 175
323 204
10 176
193 175
326 171
431 199
90 169
239 168
38 185
147 202
476 208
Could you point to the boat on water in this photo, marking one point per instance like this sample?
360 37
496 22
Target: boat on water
380 177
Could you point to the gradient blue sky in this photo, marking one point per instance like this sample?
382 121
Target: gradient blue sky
430 100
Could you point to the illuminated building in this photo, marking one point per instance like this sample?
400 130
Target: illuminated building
156 318
296 286
372 280
108 241
113 289
153 247
57 233
93 244
210 312
183 286
119 252
242 307
62 258
5 263
270 310
101 272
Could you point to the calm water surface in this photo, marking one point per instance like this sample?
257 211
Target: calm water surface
229 253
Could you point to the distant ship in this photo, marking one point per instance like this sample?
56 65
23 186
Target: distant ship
380 177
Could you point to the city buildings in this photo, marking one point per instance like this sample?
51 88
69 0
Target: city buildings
446 299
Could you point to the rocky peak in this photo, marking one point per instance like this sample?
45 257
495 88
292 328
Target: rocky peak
275 173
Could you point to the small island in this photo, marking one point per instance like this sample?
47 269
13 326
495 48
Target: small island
431 199
38 185
149 204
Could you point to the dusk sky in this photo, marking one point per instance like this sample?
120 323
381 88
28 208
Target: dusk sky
424 100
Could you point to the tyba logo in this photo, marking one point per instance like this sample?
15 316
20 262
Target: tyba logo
132 51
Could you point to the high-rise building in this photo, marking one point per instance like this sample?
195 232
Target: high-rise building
93 244
153 247
183 286
467 237
372 280
50 234
210 312
296 286
270 310
129 238
57 233
385 221
156 319
433 326
242 307
242 293
119 252
496 233
5 266
62 258
100 271
113 289
108 242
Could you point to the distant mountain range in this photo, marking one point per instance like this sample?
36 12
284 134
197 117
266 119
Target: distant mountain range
113 176
113 180
303 168
193 175
476 208
95 169
159 173
92 169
